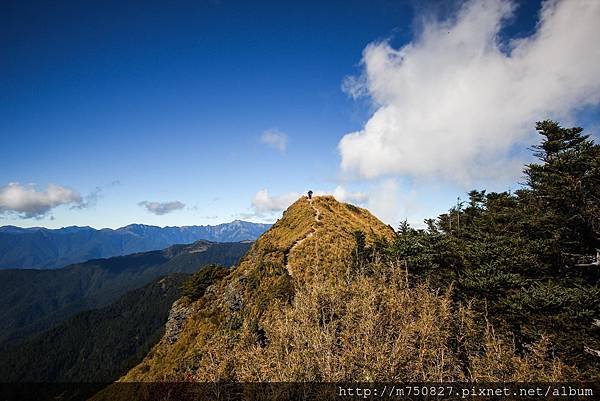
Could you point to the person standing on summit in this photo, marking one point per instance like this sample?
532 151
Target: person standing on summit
310 194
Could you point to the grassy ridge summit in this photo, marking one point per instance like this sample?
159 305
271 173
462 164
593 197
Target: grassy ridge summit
313 300
315 238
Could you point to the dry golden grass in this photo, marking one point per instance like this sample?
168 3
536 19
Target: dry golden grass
373 329
317 322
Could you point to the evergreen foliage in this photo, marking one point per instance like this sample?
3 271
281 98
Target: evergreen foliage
97 345
525 258
32 301
196 285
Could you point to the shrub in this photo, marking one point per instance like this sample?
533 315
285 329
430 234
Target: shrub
195 286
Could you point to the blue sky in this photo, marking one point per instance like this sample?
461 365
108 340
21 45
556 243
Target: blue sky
233 108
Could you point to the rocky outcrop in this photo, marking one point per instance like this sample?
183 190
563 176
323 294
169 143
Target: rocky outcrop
178 315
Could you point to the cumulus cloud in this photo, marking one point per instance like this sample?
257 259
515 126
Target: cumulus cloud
89 200
343 195
275 139
266 206
27 202
456 101
264 203
160 208
385 200
393 203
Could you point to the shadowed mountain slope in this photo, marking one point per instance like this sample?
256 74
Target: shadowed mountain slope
97 345
35 300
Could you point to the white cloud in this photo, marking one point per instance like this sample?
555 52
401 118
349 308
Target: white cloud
160 208
266 206
263 203
384 201
343 195
27 202
455 101
275 139
91 199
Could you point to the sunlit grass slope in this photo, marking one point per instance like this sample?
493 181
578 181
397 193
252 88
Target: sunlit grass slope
297 308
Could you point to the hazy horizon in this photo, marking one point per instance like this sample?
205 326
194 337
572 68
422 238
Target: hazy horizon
132 224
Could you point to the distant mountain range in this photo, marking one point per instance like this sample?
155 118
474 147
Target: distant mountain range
43 248
32 301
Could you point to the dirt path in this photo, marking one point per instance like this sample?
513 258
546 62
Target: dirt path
312 232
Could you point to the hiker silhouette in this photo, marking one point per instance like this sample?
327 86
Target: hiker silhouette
310 194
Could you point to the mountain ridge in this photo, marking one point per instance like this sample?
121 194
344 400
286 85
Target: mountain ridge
13 228
313 241
318 298
32 300
44 248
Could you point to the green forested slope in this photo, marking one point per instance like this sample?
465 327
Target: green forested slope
34 300
97 345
